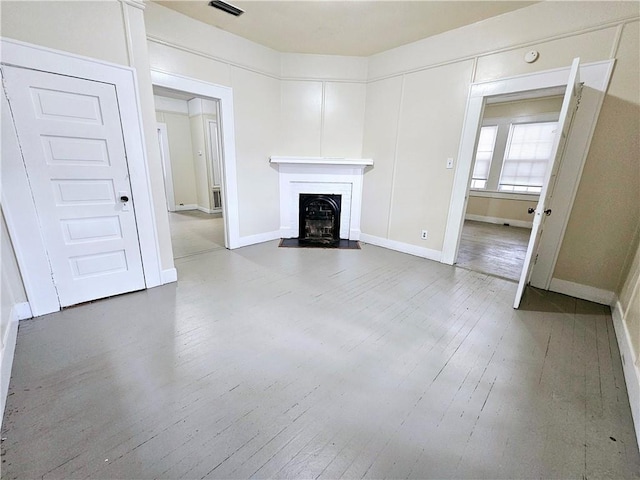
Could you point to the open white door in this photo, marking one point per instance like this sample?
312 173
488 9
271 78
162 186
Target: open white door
569 106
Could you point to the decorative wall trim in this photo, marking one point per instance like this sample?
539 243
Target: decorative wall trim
584 292
498 221
20 311
630 364
199 53
427 253
474 56
231 63
169 275
258 238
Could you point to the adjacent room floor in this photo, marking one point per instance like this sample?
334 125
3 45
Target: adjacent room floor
193 232
493 249
270 362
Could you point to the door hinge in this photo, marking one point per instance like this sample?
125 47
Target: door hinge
536 260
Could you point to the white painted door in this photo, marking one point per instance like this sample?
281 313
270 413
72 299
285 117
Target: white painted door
71 140
569 106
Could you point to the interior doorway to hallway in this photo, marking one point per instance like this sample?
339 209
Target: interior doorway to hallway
189 136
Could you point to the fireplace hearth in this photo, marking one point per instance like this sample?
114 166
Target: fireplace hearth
319 220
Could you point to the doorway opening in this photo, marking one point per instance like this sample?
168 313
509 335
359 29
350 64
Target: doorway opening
509 165
582 84
189 136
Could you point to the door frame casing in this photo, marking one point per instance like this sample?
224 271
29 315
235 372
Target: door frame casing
229 184
596 78
20 212
214 139
167 170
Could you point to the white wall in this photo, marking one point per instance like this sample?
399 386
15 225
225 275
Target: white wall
323 103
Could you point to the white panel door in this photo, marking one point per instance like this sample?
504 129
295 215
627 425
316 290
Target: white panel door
71 140
567 112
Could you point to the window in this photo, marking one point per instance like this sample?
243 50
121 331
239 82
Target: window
526 157
484 153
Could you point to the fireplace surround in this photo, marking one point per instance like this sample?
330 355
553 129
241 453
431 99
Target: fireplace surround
321 176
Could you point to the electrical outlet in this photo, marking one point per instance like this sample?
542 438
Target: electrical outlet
423 235
449 162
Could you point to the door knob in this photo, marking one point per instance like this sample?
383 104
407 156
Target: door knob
124 199
530 210
547 212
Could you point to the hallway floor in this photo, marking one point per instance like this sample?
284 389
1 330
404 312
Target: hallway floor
194 232
493 249
269 362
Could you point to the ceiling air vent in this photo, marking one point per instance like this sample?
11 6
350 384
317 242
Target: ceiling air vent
226 7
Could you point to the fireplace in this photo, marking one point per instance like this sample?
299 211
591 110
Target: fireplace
325 177
319 220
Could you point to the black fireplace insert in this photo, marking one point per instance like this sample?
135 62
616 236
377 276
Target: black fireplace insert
319 218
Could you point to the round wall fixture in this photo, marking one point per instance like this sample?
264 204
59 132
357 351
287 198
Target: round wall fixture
531 56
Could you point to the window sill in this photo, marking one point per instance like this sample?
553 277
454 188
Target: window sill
525 197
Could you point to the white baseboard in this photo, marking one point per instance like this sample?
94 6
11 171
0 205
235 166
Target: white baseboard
259 238
20 311
168 276
402 247
208 210
630 365
584 292
498 220
189 206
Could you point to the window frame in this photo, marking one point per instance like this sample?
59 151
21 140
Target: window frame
499 151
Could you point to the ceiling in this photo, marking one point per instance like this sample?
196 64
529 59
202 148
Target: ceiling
348 27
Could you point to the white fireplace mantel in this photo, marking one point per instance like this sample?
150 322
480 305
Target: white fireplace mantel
337 161
322 175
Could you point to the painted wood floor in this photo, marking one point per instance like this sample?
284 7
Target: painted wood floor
194 232
269 362
494 249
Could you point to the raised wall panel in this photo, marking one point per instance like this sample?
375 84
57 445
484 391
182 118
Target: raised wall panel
344 105
301 127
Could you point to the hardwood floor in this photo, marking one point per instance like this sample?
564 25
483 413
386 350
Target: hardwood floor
270 362
493 249
194 232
